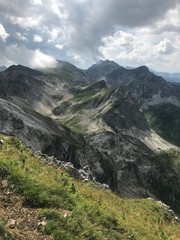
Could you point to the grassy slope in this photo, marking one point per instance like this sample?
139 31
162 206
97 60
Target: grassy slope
93 213
165 120
87 107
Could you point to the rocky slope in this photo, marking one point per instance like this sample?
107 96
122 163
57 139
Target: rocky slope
88 125
68 73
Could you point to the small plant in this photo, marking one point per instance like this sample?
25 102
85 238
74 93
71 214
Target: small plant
4 234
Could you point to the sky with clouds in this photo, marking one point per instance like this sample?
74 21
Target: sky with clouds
131 32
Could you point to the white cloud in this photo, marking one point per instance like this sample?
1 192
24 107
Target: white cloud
3 33
19 36
141 48
60 46
31 58
165 47
42 60
37 38
37 2
27 22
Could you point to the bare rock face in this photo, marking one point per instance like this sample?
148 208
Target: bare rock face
20 81
61 108
132 170
124 113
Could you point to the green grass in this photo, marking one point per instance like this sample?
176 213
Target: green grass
82 102
4 233
92 213
165 120
74 124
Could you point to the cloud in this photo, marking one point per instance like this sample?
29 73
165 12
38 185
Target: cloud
32 58
165 47
37 38
90 21
20 37
41 60
141 49
37 2
3 33
60 46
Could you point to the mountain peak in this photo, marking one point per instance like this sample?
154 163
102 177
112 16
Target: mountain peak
106 62
141 69
22 69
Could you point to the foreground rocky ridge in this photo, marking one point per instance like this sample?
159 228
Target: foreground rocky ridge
114 156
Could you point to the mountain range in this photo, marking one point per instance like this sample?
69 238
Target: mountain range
107 117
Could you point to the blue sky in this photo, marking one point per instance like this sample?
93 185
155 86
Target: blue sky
131 32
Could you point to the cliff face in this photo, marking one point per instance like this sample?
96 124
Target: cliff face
124 113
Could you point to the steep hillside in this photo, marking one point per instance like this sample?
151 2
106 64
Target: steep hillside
165 120
41 201
68 73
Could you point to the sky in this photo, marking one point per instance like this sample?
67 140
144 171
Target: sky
130 32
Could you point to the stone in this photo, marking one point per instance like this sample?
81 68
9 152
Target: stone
4 183
11 223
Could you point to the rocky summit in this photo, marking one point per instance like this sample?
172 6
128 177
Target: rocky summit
98 118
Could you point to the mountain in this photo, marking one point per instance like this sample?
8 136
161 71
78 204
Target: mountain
2 68
99 70
153 93
170 77
68 73
145 86
165 120
88 123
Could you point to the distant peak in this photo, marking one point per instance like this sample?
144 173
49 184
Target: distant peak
142 68
21 68
17 67
107 61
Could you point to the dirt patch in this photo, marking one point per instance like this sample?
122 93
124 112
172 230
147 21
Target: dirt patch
23 222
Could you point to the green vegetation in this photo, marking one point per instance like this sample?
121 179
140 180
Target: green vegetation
60 73
89 213
4 233
83 101
165 120
74 124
